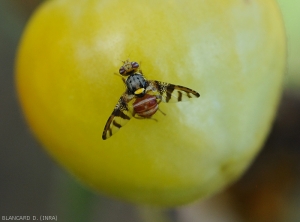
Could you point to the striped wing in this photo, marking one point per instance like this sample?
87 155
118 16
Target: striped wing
173 93
119 117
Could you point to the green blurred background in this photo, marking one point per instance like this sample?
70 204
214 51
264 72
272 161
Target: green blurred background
32 184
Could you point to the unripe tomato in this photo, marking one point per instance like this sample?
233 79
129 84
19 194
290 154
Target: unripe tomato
291 16
231 52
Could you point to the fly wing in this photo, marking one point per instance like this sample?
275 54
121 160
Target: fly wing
119 117
172 93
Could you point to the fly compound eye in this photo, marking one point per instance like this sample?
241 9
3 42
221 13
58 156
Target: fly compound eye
122 70
135 65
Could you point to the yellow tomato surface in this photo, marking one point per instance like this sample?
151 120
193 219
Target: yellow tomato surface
232 52
291 15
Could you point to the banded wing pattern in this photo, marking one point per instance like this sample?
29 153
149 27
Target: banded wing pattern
119 117
173 93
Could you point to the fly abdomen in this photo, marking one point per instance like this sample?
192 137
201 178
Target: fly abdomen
145 106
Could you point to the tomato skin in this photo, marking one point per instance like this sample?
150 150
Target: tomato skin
231 52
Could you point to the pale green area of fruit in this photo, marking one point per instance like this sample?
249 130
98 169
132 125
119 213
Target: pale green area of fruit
291 16
232 52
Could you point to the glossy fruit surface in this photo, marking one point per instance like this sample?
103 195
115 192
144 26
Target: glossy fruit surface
232 52
291 16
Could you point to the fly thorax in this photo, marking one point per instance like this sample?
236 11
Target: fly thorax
136 84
